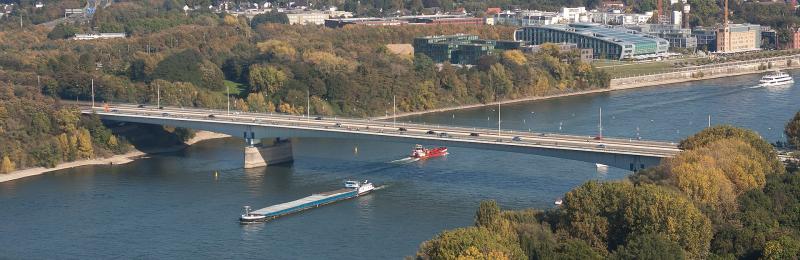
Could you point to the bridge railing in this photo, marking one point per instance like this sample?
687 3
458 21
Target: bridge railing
485 139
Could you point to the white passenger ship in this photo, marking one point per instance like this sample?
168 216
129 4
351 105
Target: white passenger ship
778 78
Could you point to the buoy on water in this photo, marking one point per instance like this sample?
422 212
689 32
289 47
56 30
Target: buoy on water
355 150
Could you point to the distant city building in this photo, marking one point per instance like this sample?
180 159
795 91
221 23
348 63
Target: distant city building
460 48
769 39
526 18
673 33
493 11
606 42
90 36
573 15
706 38
404 20
795 40
738 38
315 17
616 17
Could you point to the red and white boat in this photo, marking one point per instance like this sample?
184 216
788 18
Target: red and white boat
420 152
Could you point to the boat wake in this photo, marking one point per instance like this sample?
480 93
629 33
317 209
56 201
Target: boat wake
405 160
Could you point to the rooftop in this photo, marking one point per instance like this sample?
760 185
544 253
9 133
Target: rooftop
609 33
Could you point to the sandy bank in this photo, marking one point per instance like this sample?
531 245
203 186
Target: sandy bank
114 160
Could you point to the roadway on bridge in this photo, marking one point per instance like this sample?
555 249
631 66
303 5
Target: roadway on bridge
419 131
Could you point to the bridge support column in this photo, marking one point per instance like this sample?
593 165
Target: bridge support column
262 155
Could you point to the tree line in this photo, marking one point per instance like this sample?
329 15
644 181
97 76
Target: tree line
38 131
726 196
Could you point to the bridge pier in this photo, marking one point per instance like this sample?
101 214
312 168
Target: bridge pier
257 154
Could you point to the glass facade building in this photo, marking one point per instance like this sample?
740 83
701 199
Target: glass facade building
460 48
606 42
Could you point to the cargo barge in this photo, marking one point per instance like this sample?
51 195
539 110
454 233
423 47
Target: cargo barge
352 189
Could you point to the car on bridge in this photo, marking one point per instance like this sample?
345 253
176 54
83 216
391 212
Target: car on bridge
212 116
444 135
601 146
140 106
337 124
164 114
517 138
318 118
474 134
430 132
402 129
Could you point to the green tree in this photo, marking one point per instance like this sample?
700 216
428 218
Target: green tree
84 144
488 214
649 247
189 66
792 131
464 242
784 247
607 214
62 31
267 79
714 133
6 165
271 17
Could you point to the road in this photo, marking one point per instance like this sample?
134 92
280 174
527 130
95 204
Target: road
419 131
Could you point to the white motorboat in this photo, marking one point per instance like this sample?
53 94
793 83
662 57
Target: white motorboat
777 78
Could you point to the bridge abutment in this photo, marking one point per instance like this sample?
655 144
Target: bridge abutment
262 155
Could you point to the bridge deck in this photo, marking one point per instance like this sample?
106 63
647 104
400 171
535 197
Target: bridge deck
409 130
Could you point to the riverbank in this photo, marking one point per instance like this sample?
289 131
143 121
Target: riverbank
700 73
113 160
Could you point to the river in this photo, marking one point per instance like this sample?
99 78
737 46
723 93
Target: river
174 206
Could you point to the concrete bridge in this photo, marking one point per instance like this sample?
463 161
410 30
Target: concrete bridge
620 153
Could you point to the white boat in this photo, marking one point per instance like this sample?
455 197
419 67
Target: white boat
249 217
777 78
600 166
362 187
558 202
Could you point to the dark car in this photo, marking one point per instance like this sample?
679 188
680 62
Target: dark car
402 129
337 125
431 132
160 107
516 138
318 118
211 116
165 114
140 106
443 135
474 134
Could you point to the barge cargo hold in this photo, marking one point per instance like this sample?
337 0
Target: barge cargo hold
353 189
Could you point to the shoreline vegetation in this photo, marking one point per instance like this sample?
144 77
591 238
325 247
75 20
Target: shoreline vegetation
654 80
725 196
112 160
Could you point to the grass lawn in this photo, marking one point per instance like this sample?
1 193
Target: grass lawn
627 69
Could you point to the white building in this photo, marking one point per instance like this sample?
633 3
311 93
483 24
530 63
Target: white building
527 18
572 15
315 17
90 36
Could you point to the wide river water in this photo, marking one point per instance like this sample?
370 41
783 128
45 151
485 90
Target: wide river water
173 206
